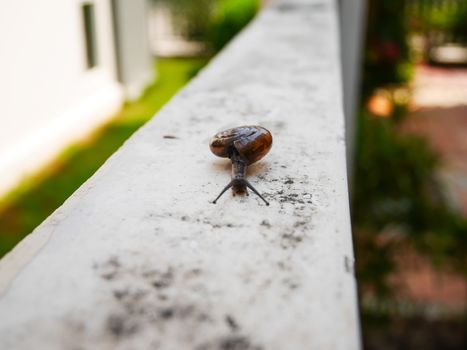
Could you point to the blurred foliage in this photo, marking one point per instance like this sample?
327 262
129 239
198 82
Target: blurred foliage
190 19
398 172
434 23
395 184
386 53
229 18
374 262
38 196
214 22
392 332
434 16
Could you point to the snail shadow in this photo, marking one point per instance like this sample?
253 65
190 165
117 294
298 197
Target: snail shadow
225 165
221 165
258 168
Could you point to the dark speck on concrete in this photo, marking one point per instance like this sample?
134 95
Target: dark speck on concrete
233 325
108 269
171 137
288 182
151 303
291 198
299 223
235 343
119 325
194 272
166 313
160 284
289 240
163 280
293 285
120 294
230 342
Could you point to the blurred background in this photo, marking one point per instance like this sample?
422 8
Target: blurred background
109 66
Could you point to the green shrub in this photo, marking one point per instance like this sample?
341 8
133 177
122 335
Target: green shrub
229 18
214 22
395 185
394 174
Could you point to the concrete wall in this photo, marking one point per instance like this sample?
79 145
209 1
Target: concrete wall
140 258
48 95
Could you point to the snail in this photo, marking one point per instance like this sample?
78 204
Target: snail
243 145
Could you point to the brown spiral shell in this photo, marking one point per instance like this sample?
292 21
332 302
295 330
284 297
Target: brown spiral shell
251 142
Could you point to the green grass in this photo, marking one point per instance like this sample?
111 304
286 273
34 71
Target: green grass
38 196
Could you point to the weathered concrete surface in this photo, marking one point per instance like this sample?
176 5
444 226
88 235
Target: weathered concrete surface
139 258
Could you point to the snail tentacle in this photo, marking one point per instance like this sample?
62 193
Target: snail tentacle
240 182
230 184
250 186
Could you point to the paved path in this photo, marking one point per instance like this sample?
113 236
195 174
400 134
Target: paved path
439 87
439 112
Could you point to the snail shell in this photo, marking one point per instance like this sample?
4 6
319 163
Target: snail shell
244 145
251 142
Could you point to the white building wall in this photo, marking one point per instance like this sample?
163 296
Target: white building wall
134 55
48 96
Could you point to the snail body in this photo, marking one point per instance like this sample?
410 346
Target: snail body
243 145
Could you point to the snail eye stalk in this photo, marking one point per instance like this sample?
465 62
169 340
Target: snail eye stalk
250 186
230 184
246 183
